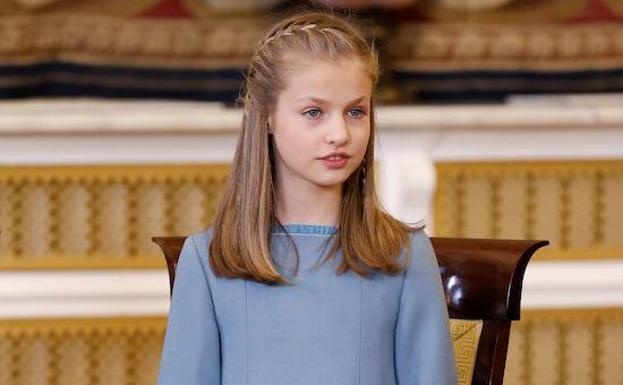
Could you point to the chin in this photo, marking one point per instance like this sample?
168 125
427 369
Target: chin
331 182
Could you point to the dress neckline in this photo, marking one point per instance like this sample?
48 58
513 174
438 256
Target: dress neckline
303 228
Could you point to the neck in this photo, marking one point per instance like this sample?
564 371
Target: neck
308 204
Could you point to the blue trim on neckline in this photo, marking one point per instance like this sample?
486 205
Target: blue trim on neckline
299 228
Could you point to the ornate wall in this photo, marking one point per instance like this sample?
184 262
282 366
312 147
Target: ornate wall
574 205
85 293
100 217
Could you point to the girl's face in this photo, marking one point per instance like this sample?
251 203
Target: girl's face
324 109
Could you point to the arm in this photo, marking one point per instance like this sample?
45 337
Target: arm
424 352
191 350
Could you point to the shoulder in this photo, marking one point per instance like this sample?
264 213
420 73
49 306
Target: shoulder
421 255
201 239
419 239
422 275
198 244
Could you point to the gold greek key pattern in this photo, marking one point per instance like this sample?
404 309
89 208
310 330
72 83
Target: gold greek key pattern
90 217
576 206
465 337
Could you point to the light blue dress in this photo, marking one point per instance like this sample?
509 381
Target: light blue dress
324 330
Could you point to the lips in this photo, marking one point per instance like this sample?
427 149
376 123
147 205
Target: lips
336 156
335 160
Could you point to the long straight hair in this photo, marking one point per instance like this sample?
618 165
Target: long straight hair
370 239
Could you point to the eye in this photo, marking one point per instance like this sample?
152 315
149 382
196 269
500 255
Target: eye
357 113
312 113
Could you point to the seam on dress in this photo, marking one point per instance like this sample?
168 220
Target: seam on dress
192 240
361 318
323 346
205 274
246 324
216 320
402 292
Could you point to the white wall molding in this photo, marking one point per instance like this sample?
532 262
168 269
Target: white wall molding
96 116
578 284
83 293
100 132
110 293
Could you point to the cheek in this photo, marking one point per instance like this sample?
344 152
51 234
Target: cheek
293 142
362 138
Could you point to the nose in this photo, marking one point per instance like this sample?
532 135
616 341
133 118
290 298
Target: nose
337 132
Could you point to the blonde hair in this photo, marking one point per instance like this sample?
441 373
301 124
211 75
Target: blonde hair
369 238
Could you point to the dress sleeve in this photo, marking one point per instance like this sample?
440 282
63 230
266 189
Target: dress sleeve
424 352
191 350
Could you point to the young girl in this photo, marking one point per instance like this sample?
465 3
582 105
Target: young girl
303 279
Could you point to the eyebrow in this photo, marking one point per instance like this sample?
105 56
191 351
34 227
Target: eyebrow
322 101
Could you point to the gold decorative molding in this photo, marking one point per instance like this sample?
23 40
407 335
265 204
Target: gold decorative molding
124 8
119 8
573 204
515 11
526 46
101 216
174 43
81 351
228 42
566 346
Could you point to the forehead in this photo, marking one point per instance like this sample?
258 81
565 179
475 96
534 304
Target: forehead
330 79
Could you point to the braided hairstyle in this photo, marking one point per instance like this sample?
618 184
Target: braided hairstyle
313 35
370 239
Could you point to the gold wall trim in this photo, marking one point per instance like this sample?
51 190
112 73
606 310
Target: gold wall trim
83 38
539 168
84 7
113 351
130 173
508 11
59 217
527 46
31 327
566 347
576 205
80 262
570 314
228 42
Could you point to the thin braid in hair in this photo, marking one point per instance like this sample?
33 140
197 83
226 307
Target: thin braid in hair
293 29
